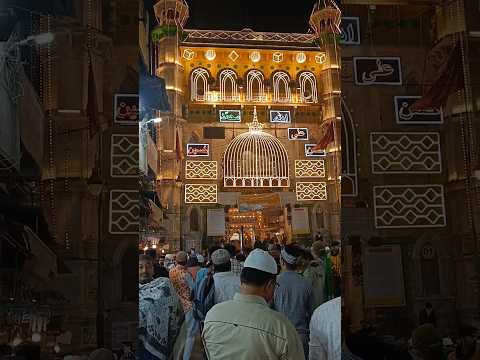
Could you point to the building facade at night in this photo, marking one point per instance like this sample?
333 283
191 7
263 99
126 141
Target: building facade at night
411 218
237 150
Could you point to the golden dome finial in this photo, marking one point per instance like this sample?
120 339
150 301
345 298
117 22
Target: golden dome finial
255 125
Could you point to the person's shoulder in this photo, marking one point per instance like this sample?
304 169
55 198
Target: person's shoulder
219 309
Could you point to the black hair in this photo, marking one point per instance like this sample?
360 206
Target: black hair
295 251
231 249
255 277
222 267
240 257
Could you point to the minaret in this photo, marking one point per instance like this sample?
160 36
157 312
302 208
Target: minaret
171 17
325 22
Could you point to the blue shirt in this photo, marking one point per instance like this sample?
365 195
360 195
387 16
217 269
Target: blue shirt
294 298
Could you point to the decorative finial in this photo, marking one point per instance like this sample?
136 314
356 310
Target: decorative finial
255 125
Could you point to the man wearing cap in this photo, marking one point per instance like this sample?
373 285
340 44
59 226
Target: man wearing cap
183 283
227 284
245 328
294 295
315 272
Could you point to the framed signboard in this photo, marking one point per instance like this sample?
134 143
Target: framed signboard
198 150
405 116
350 28
125 109
310 152
377 70
280 116
297 134
230 115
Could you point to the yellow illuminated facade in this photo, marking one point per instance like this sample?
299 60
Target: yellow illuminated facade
220 83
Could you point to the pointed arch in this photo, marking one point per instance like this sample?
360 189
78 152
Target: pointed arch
281 81
199 84
228 85
349 154
308 87
255 86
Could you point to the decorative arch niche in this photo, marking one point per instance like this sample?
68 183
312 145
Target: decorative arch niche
228 85
281 87
308 87
199 84
255 86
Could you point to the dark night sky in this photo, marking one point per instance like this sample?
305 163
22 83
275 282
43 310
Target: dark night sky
258 15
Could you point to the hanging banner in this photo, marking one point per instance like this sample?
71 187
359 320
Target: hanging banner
126 109
350 28
309 151
195 150
280 116
406 116
300 221
215 222
230 115
297 134
383 276
377 71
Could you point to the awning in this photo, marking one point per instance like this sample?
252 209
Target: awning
153 93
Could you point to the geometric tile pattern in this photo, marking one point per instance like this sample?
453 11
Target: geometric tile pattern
201 170
406 153
124 212
409 206
201 193
307 191
309 168
124 155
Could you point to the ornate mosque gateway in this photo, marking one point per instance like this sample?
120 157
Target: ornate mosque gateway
252 144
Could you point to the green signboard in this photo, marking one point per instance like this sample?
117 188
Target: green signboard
230 115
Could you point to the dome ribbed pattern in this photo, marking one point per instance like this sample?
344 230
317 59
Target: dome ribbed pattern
256 159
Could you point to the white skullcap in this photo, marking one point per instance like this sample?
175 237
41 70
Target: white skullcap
200 258
261 260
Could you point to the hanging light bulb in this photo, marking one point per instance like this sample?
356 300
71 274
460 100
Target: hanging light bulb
56 348
36 337
145 248
154 246
17 340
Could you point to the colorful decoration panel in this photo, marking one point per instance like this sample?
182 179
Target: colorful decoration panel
124 212
126 109
377 71
198 150
200 193
309 151
230 115
201 170
406 153
124 155
297 134
409 206
309 168
311 191
350 27
405 116
280 116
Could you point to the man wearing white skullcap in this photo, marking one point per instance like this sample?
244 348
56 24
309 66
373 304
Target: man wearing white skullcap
245 328
294 294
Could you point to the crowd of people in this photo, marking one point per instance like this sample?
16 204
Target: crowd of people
272 302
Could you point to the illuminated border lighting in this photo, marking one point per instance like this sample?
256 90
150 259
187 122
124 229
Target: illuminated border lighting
308 78
228 76
233 55
201 193
320 58
199 74
255 76
284 78
301 58
188 54
210 55
255 56
278 57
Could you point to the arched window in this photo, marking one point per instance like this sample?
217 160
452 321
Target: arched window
228 85
255 86
194 220
199 85
308 87
281 87
130 275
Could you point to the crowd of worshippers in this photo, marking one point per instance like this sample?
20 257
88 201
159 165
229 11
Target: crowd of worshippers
278 303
